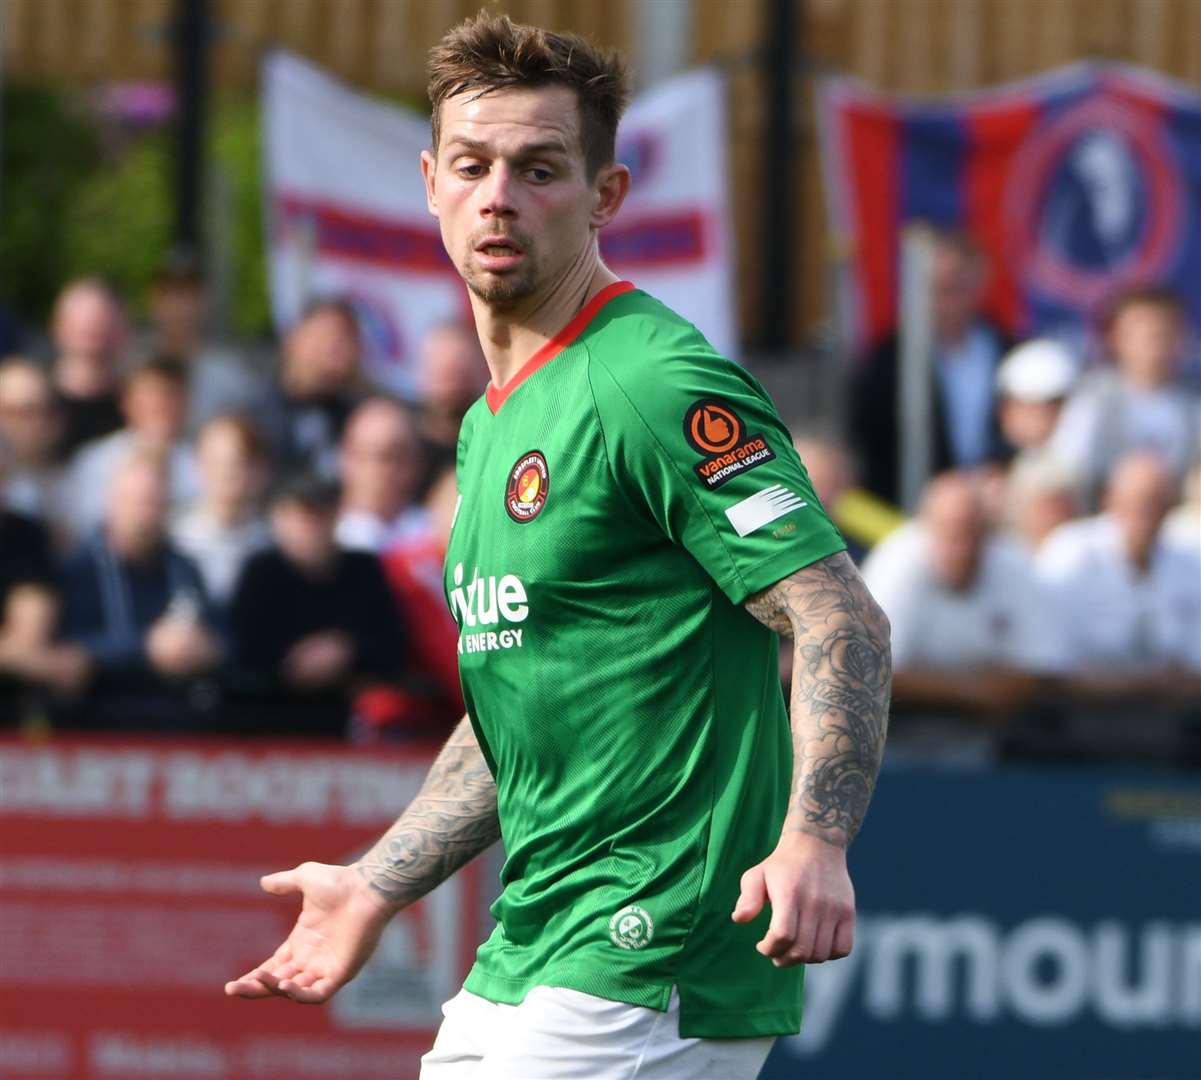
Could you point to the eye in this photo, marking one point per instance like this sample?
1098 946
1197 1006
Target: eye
470 170
538 175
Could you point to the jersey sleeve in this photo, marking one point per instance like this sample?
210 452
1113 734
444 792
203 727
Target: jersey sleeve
699 447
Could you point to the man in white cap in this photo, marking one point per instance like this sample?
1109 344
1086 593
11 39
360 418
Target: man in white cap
1033 382
1031 387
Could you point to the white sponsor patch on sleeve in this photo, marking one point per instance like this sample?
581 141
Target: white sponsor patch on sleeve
763 507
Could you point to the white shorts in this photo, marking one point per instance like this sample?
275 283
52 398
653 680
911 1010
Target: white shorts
556 1034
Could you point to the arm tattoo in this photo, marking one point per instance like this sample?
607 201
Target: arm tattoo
840 691
451 821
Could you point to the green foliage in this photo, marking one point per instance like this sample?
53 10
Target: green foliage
119 225
47 153
235 150
70 204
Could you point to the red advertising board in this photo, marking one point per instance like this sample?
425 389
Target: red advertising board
129 894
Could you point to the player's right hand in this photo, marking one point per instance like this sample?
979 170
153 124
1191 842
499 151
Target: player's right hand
340 922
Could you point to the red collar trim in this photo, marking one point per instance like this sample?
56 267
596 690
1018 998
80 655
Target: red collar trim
497 395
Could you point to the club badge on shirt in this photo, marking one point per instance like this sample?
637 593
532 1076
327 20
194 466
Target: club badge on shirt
713 429
529 481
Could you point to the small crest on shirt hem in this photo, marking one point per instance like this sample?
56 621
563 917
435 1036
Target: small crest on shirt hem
631 928
713 428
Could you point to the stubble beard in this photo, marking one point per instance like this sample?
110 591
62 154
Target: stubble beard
501 290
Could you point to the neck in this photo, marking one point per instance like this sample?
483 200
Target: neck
952 333
82 375
227 514
134 549
1139 556
182 345
510 335
1141 381
384 511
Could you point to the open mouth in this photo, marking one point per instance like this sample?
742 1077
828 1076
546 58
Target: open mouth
498 247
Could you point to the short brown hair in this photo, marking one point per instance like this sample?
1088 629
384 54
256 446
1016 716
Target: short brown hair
253 446
1158 296
491 52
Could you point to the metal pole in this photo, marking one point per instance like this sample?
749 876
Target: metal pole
3 16
191 35
664 44
779 159
914 406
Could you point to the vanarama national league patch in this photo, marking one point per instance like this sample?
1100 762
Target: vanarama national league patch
714 429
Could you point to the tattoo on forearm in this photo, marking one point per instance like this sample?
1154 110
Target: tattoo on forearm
451 821
840 690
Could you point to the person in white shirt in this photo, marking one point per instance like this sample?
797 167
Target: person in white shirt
226 525
1033 383
1040 495
154 402
381 466
1137 403
970 631
1183 525
1131 601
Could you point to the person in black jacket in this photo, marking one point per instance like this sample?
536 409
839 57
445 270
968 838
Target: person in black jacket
312 623
33 664
138 609
967 350
90 333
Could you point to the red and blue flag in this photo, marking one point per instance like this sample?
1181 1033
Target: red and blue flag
1077 184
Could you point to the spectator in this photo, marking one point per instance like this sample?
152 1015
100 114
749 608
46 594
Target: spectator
313 622
1183 525
138 608
31 425
969 629
154 403
1033 383
12 335
452 376
1131 601
967 350
226 525
381 468
217 380
90 335
833 473
1136 403
428 700
315 389
1041 494
30 659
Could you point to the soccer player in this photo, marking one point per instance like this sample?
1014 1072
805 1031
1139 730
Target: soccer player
633 529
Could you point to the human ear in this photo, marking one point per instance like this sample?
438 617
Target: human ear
429 167
610 188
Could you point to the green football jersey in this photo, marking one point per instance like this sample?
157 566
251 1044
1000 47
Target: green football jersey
619 499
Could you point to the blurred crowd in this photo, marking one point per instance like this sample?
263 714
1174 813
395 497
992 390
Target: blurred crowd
193 542
1053 569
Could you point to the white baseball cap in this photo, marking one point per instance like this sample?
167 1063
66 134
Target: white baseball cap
1038 370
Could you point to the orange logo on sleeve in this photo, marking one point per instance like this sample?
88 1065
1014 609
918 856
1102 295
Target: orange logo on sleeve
712 428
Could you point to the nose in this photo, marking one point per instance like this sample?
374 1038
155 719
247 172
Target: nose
497 192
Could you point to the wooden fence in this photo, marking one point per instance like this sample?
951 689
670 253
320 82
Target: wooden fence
912 46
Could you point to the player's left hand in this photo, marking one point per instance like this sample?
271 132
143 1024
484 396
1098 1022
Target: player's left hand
805 881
